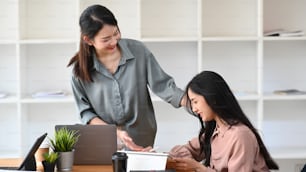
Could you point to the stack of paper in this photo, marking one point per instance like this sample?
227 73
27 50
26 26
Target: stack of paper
290 92
49 94
284 33
2 95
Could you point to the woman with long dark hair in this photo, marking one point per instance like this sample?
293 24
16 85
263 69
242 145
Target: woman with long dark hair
227 140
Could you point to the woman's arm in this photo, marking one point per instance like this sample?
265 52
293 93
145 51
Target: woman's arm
85 109
124 140
190 150
162 84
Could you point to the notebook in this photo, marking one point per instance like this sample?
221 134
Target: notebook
96 143
29 162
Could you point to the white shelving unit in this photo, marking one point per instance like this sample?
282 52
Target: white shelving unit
38 37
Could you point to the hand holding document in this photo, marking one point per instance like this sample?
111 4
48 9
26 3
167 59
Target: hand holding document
153 149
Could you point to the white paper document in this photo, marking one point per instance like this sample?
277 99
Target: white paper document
2 95
49 94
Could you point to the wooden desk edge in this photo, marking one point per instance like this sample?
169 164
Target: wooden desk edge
15 162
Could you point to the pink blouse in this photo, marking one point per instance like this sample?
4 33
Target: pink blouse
233 149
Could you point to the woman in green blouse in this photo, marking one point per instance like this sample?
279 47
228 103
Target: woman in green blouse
110 80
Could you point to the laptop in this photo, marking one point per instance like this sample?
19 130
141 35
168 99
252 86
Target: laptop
96 143
29 163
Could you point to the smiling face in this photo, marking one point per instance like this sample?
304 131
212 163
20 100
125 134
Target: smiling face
200 106
105 41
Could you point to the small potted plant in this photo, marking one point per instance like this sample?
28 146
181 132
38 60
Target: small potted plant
63 143
49 161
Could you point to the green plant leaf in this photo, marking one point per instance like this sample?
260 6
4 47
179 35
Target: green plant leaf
64 140
50 157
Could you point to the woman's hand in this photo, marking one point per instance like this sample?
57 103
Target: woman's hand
184 101
123 137
128 141
188 164
96 121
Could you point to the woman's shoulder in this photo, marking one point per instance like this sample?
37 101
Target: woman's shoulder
130 42
240 127
132 46
242 131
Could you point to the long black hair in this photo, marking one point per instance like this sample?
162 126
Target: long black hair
222 101
92 20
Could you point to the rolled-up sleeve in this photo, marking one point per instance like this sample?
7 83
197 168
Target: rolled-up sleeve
84 108
190 149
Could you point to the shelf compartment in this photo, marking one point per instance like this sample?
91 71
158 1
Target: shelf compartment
284 14
43 68
128 20
229 18
235 61
68 98
250 110
10 132
184 54
48 19
8 20
35 122
284 128
284 65
169 18
8 68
